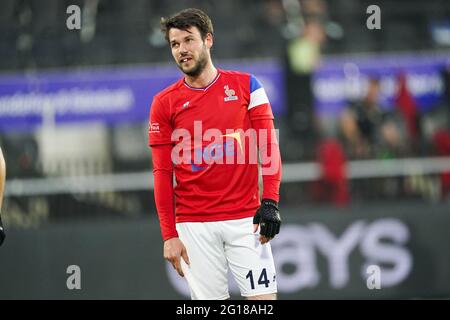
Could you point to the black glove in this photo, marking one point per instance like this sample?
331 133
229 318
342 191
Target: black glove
268 218
2 232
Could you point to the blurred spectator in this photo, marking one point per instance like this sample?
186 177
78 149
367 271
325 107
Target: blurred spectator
313 9
333 184
408 109
441 141
367 130
304 52
301 59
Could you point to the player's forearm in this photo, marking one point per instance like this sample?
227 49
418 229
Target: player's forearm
2 177
271 159
163 190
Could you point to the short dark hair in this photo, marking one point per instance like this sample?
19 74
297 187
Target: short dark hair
185 19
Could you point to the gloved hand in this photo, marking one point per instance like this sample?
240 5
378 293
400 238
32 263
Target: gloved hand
2 232
268 218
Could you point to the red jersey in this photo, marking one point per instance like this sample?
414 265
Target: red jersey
211 183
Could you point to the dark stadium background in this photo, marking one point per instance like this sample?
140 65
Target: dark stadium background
73 127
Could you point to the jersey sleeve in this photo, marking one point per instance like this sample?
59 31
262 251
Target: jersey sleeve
259 106
163 193
159 127
269 152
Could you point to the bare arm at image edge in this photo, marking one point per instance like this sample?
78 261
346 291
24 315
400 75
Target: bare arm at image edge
2 189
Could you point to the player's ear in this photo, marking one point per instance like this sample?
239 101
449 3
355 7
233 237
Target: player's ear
209 40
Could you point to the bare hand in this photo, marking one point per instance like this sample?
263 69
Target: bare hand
173 250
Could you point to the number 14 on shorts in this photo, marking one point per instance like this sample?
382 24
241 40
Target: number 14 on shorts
262 279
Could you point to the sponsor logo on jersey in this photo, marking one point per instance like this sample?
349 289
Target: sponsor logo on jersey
215 151
236 146
185 105
230 94
154 127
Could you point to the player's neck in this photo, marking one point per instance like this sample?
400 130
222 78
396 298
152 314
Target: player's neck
203 79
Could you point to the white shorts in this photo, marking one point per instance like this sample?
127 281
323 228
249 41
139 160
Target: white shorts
212 247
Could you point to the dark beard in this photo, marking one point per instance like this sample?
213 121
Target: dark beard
198 69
